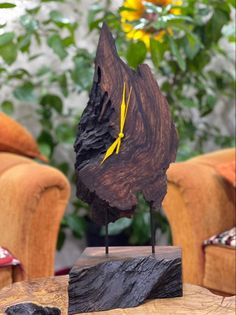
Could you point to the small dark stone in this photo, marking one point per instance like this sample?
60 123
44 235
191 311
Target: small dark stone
31 309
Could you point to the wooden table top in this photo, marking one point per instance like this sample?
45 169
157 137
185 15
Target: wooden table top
53 292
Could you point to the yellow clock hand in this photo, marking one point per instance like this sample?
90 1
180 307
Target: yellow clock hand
123 113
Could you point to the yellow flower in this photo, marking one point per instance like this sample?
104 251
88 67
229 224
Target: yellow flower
136 11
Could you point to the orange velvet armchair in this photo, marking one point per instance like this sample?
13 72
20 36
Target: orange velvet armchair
33 198
199 204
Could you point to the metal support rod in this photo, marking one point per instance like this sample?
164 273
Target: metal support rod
106 236
152 230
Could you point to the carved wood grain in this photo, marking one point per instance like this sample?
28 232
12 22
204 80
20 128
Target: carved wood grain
149 145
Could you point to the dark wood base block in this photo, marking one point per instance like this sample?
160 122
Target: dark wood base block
124 278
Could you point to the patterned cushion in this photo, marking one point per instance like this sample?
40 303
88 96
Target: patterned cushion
227 238
7 259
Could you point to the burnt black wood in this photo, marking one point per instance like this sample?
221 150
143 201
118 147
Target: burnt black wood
125 279
149 145
31 309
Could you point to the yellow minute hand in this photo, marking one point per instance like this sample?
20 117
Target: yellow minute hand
123 113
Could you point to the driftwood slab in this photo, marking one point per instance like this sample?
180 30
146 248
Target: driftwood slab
125 278
148 147
53 292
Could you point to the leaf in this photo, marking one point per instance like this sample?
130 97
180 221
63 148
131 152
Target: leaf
34 10
212 31
77 224
46 137
117 227
65 133
68 41
7 5
175 51
187 102
2 70
157 51
45 114
42 71
8 49
123 8
38 38
24 42
25 92
29 23
79 204
200 60
232 2
7 107
173 17
82 73
136 54
57 45
179 25
6 38
45 149
62 79
95 24
9 53
64 167
46 143
208 103
61 239
53 101
3 25
19 73
59 19
192 45
35 56
153 8
92 19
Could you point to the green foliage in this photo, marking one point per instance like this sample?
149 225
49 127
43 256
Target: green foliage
45 88
157 50
6 38
81 78
7 107
183 60
25 92
57 45
6 5
8 47
177 54
136 53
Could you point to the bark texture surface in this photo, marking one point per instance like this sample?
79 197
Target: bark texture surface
125 278
149 145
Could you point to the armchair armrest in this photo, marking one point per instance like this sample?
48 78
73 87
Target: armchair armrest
33 198
198 204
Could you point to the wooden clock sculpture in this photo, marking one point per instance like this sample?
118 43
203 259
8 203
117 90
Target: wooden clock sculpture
125 143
